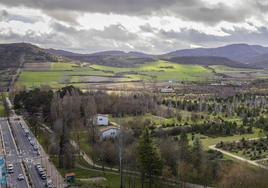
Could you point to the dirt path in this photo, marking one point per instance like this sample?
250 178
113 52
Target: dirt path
213 147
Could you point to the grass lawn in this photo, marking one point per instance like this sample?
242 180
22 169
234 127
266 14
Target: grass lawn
81 138
84 172
208 141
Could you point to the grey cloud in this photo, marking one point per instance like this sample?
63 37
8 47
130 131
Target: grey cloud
111 37
237 35
147 28
45 40
62 15
3 15
7 16
113 32
116 37
261 5
104 6
195 10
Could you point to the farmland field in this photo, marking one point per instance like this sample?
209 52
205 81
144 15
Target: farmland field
241 73
60 74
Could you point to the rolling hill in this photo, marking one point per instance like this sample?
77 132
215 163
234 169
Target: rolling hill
237 52
16 54
109 58
207 61
235 55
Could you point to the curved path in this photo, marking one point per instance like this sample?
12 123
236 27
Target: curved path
213 147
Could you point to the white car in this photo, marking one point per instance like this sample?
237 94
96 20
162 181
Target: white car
10 168
49 183
32 142
35 147
21 177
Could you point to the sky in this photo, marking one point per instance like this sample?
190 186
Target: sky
150 26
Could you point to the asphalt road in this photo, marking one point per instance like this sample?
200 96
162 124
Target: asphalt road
12 156
29 155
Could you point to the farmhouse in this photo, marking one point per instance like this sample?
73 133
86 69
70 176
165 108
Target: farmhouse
108 132
102 120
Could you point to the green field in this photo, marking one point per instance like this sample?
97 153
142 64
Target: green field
84 172
208 141
60 74
163 71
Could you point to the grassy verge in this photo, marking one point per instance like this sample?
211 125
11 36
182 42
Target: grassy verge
2 110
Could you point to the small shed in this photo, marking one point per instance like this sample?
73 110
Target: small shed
70 177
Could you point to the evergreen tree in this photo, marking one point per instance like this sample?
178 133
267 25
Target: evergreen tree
149 160
183 147
198 154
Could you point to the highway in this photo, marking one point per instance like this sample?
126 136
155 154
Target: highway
12 156
30 156
18 148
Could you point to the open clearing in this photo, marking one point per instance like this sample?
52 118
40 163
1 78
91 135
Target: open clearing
209 141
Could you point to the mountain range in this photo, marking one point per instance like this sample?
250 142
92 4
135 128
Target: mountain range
234 55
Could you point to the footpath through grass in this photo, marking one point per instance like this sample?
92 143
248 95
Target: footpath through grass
208 141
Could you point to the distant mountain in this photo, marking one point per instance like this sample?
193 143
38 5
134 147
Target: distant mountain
62 52
237 52
14 55
260 61
235 55
207 61
109 58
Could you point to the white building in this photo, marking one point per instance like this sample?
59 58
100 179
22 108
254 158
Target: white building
102 119
109 132
167 90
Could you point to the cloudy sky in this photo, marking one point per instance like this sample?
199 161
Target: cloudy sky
152 26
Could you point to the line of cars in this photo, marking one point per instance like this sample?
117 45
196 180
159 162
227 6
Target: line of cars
42 173
10 170
40 170
31 140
